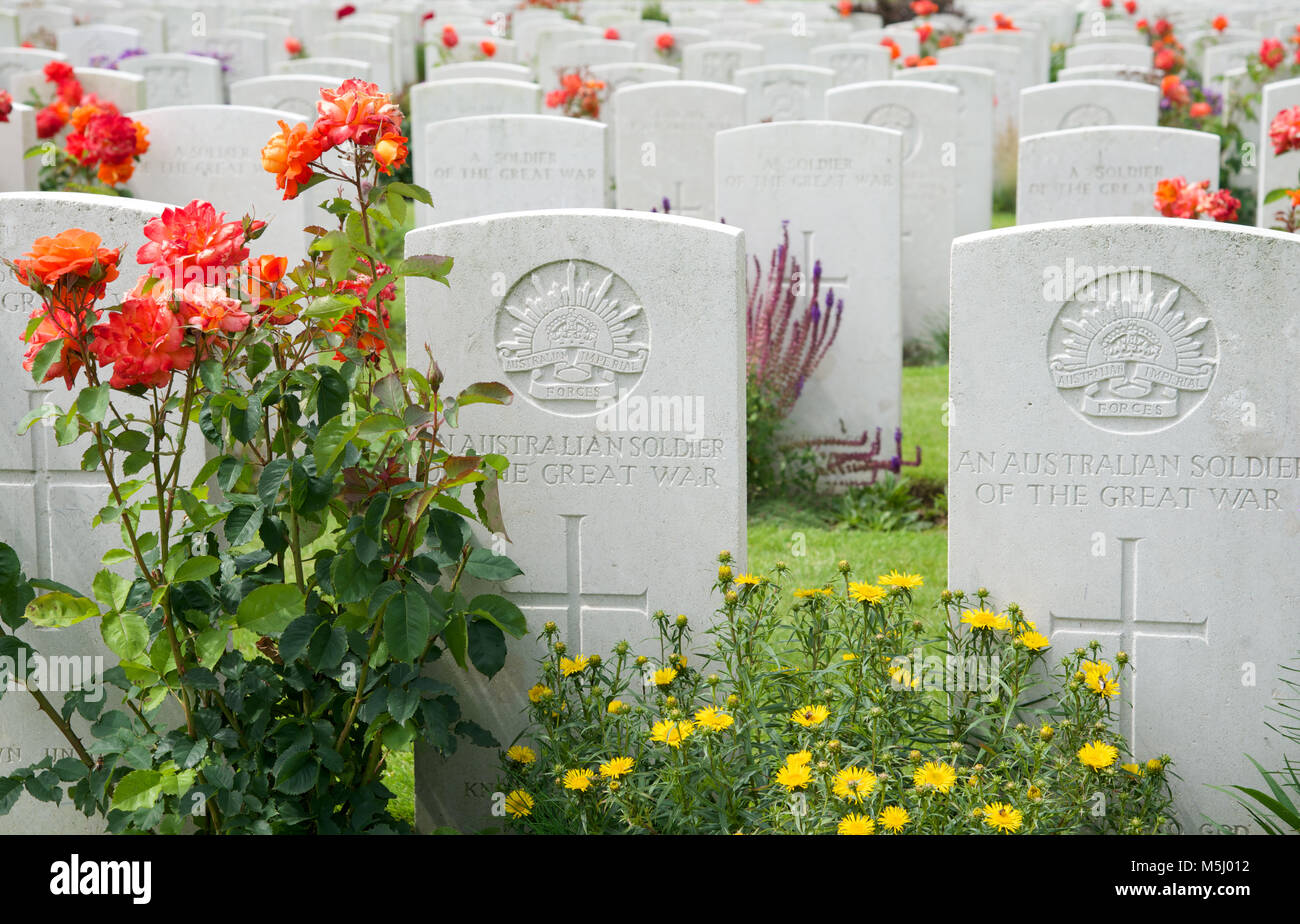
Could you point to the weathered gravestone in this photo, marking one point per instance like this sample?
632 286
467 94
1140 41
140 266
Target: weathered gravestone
784 92
1128 470
974 153
1052 107
18 172
853 62
597 330
1107 171
214 153
178 80
1276 171
838 186
719 61
46 501
481 165
926 115
663 143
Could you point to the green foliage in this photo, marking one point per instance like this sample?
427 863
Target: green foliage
772 467
842 714
1277 811
653 9
885 505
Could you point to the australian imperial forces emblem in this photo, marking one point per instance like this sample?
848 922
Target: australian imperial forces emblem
573 337
1133 361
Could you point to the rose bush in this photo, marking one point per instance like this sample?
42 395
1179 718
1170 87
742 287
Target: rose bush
284 599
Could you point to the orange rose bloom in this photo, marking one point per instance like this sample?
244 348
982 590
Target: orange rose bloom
391 152
70 253
289 155
357 111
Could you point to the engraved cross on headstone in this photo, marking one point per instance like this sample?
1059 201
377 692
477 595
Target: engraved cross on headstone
1127 628
574 601
840 283
679 205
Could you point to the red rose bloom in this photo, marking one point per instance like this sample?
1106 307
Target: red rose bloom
344 11
1271 53
449 37
143 343
357 111
665 41
1220 23
612 34
193 236
6 105
57 71
1284 131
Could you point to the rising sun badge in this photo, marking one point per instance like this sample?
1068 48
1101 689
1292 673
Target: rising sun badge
572 336
1135 362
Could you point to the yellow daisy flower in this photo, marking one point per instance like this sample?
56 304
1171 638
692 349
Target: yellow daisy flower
798 759
613 769
521 754
664 676
538 693
1034 641
671 733
748 579
810 716
713 720
614 707
1034 793
1001 816
986 619
902 677
1098 755
939 776
1106 689
848 656
854 783
804 592
866 593
1131 768
794 777
893 818
856 824
519 804
579 780
571 666
896 579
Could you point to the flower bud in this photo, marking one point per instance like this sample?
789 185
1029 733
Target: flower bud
982 592
681 621
843 566
914 756
724 556
641 660
724 574
560 648
1045 733
946 596
731 597
1121 658
594 660
550 628
833 745
733 701
713 680
670 702
622 648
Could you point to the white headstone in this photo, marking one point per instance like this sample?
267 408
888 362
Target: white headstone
1107 171
178 80
600 306
663 143
480 70
214 153
1135 449
341 68
719 61
840 188
482 165
293 93
18 173
1124 54
853 62
926 114
1052 107
1110 72
375 50
974 152
125 91
23 60
84 44
784 92
1276 171
439 100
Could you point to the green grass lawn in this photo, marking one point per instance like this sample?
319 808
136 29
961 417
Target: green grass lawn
1004 219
